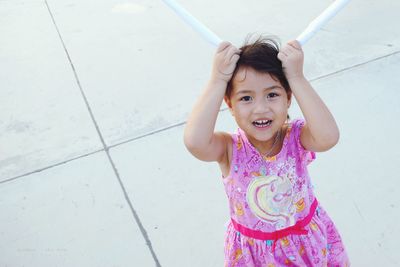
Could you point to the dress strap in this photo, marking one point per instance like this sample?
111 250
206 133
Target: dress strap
306 156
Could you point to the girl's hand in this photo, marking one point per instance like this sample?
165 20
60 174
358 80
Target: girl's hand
225 60
292 58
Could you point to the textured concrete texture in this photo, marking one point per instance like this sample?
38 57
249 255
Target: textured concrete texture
93 100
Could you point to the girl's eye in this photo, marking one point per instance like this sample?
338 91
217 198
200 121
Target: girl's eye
245 98
272 95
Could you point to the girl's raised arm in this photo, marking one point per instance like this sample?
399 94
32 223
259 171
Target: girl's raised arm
199 137
320 132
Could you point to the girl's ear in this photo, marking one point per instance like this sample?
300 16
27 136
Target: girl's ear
289 99
229 104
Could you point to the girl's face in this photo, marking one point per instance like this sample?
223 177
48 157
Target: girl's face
259 104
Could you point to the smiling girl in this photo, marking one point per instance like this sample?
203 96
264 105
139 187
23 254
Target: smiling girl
276 219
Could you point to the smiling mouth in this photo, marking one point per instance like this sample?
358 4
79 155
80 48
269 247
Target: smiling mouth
262 123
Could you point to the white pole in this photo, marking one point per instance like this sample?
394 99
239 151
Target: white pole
321 20
194 23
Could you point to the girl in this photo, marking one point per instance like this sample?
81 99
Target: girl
275 218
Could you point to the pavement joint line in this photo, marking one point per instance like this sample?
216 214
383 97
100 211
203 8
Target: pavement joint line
155 131
358 210
50 166
354 66
149 133
106 149
91 153
135 214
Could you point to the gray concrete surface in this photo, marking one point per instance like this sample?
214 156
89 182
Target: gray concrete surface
93 100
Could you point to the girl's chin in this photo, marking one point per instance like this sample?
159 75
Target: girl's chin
262 129
261 136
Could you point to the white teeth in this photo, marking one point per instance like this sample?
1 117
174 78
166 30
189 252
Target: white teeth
262 123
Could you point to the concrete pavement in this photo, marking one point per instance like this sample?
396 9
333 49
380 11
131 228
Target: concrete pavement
93 100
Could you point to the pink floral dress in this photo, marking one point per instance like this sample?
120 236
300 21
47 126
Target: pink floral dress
275 217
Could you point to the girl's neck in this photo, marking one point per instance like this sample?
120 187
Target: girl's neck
271 147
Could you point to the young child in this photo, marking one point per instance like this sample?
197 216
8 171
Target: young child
275 218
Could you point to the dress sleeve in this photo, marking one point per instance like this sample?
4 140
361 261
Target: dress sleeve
306 156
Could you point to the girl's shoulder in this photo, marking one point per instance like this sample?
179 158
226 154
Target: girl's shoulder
298 149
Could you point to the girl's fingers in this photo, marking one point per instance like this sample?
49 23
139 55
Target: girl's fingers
222 46
291 48
285 50
295 44
288 52
232 52
235 58
281 56
229 52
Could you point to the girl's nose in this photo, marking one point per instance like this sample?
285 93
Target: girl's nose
261 107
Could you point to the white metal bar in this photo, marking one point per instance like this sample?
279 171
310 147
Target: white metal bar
321 20
206 33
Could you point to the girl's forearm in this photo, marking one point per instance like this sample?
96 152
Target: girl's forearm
320 121
201 122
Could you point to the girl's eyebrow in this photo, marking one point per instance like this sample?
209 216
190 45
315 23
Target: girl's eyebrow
265 89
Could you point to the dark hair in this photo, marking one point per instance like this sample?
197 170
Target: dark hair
262 56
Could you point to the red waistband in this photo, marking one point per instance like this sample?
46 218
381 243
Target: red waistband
297 229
